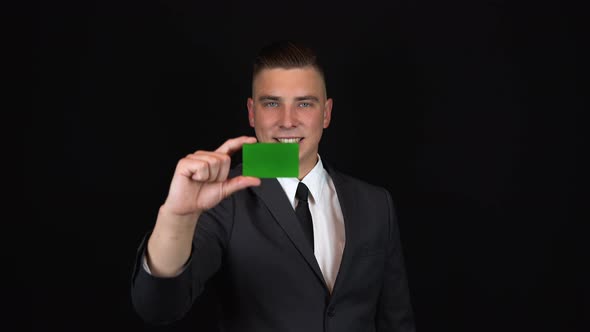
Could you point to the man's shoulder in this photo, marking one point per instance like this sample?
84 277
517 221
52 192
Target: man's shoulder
353 181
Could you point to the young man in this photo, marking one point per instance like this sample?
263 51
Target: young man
342 270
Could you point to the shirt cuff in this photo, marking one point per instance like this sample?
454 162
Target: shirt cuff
147 268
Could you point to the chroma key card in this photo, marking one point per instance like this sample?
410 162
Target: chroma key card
270 160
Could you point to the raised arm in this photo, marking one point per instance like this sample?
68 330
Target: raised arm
199 183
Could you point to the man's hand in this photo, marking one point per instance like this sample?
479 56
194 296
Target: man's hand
201 181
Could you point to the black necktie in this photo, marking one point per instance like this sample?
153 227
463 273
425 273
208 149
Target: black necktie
303 213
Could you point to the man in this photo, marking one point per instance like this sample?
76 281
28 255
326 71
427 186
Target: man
341 271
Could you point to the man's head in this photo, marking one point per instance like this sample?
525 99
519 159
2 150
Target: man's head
286 55
289 102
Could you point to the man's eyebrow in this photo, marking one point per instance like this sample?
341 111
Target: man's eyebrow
265 97
314 98
276 98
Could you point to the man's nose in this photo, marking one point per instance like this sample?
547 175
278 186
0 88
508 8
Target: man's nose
288 117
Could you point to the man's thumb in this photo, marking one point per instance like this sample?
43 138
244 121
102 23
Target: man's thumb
238 183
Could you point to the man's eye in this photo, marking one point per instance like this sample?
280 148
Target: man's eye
271 104
305 104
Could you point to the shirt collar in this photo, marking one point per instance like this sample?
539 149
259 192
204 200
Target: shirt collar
314 180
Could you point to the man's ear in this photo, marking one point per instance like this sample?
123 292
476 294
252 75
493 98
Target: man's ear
328 112
250 105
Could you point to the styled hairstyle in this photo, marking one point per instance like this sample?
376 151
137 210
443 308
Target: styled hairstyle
286 54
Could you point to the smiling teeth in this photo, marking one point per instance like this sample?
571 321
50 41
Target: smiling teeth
289 140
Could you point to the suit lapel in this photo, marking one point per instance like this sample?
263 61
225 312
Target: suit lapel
272 194
352 222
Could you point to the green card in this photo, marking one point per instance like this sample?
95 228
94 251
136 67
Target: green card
270 160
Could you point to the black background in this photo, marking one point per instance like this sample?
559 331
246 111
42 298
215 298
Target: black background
469 112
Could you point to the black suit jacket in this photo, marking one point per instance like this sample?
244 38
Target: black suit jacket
266 274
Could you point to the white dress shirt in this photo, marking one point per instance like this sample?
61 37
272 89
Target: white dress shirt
328 222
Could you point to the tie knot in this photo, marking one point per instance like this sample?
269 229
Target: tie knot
302 192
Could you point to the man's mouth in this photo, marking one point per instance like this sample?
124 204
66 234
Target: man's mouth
289 139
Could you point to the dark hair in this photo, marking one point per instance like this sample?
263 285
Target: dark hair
286 54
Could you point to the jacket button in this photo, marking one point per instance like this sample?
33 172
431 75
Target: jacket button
331 312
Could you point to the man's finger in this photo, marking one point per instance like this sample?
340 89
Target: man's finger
238 183
234 144
214 162
224 168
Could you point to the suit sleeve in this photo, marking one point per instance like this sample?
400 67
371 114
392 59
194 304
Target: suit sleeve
165 300
394 311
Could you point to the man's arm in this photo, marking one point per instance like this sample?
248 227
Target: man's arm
169 245
200 183
394 311
162 300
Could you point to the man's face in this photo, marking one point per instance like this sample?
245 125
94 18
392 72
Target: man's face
290 105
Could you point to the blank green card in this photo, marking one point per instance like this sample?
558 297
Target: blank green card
270 160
